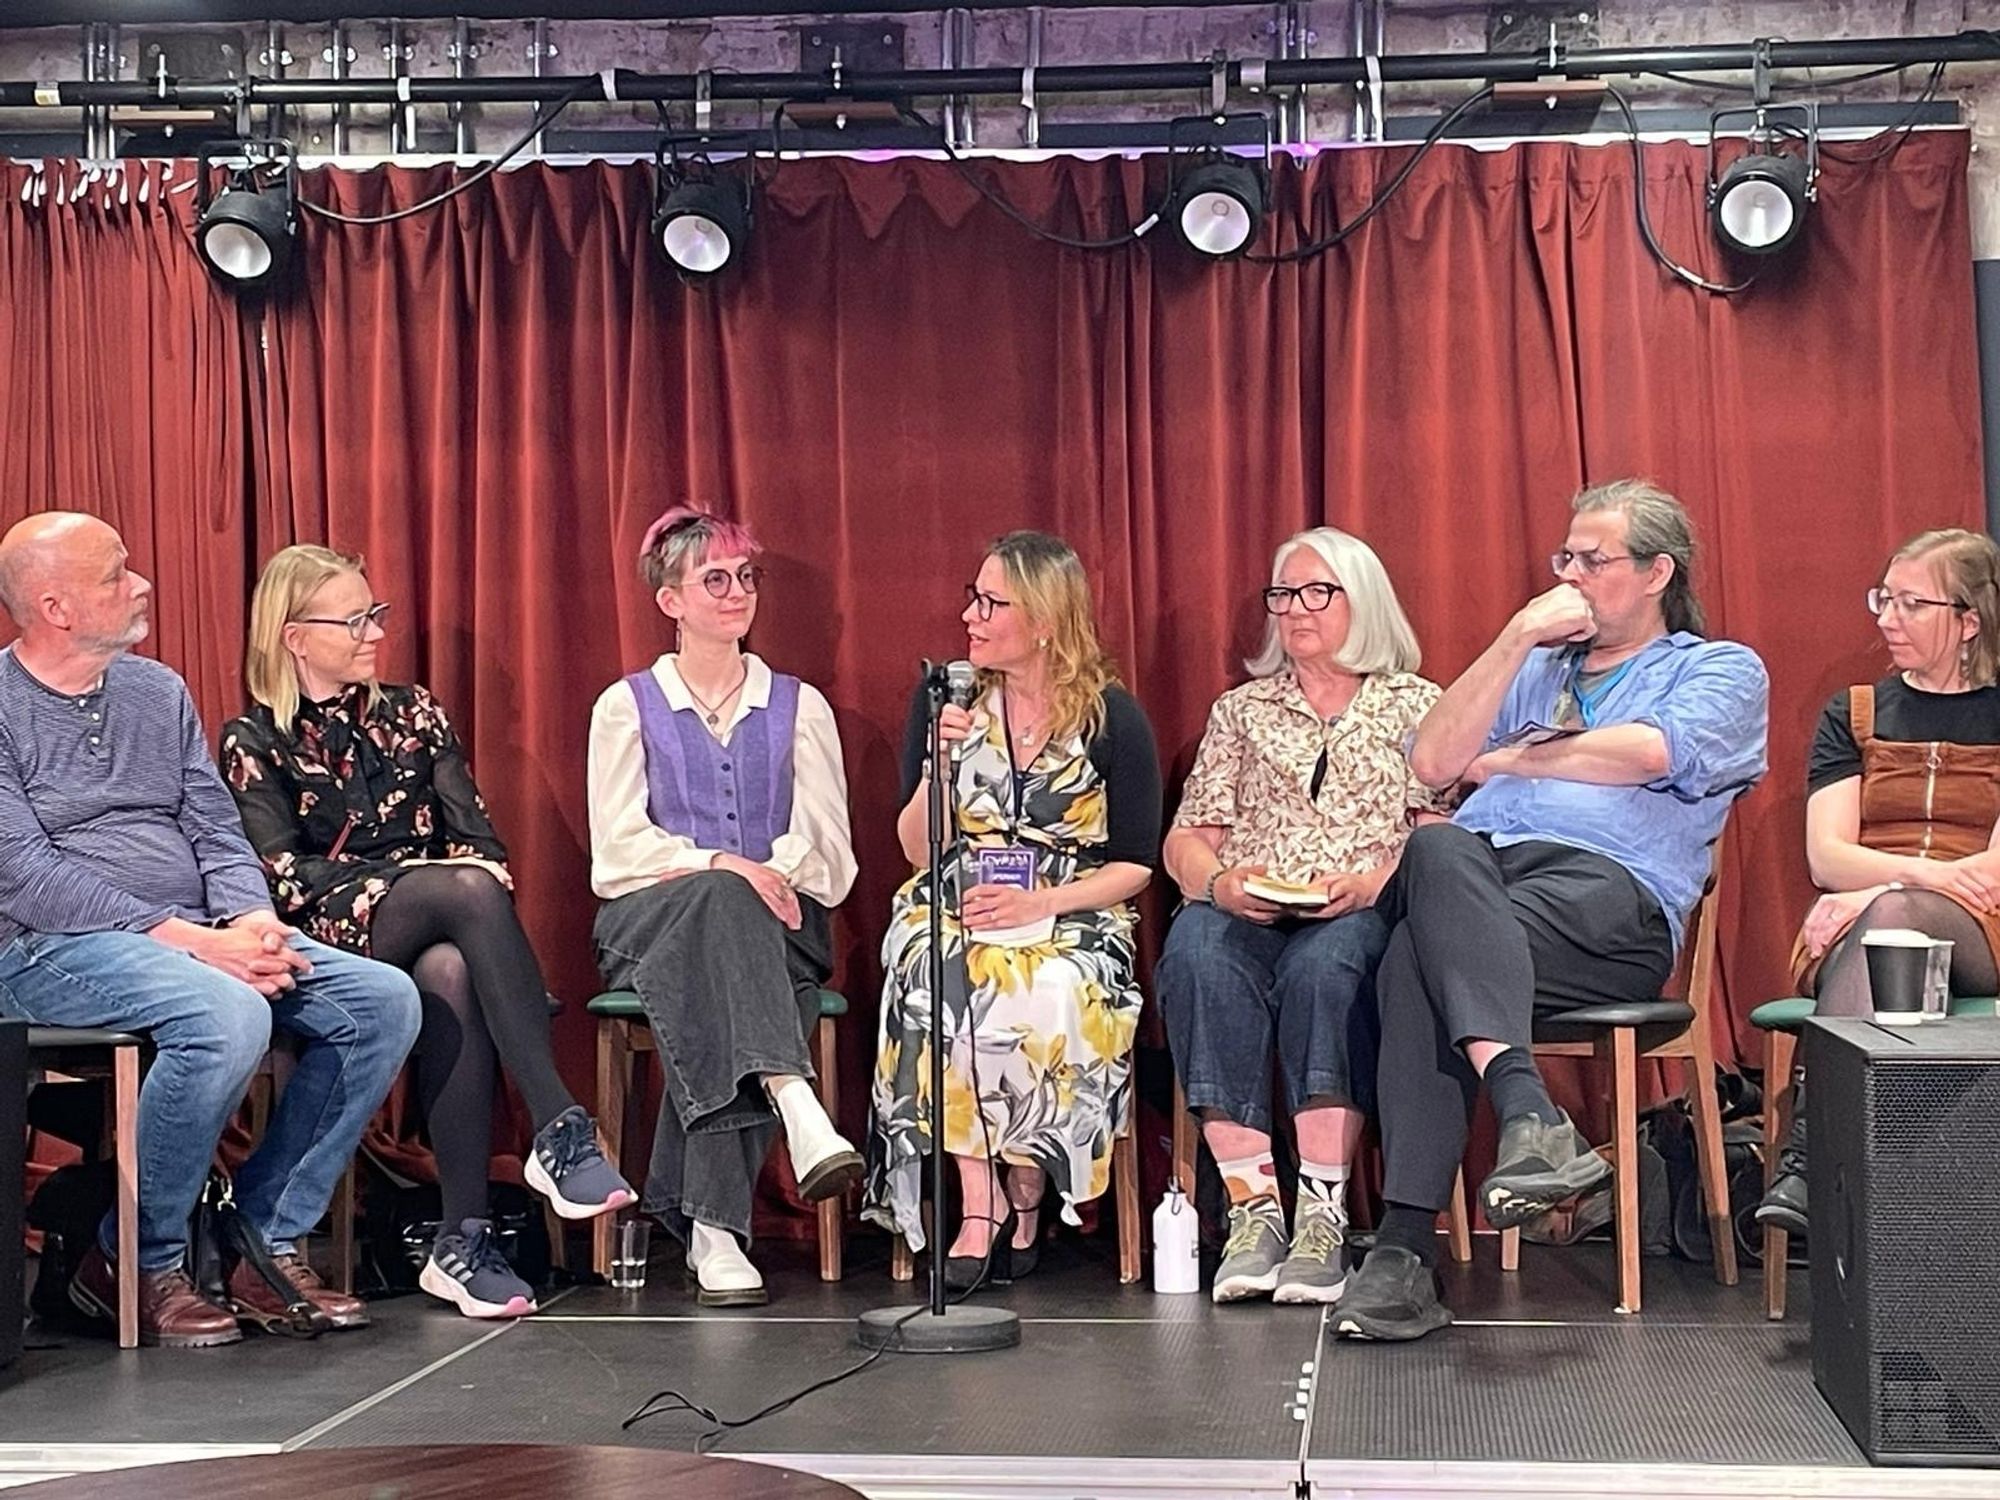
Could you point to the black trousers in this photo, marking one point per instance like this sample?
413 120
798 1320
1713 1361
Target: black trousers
1483 939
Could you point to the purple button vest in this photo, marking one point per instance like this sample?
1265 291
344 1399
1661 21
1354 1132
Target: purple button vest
735 797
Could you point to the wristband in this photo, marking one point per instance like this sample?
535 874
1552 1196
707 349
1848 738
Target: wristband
1208 890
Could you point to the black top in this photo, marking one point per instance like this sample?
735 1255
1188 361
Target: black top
337 806
1124 754
1901 713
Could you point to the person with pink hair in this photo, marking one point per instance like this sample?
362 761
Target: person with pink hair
718 842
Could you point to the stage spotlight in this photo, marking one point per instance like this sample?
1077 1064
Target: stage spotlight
702 223
1758 205
1218 205
245 233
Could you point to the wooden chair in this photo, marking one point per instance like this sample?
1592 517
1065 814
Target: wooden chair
623 1035
62 1052
1617 1036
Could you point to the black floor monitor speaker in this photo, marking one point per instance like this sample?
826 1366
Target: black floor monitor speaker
13 1132
1903 1130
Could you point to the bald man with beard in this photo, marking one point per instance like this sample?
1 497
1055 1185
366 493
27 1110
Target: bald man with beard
130 899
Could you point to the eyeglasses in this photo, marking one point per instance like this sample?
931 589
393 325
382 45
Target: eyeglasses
717 580
1591 563
1312 596
1881 601
984 602
356 625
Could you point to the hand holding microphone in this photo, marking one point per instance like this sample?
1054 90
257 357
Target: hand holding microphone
955 718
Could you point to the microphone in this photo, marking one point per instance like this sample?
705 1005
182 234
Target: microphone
961 685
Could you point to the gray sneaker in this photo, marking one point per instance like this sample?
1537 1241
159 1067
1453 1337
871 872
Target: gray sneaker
1255 1249
1316 1270
1539 1166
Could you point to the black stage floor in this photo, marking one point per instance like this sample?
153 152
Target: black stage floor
1113 1391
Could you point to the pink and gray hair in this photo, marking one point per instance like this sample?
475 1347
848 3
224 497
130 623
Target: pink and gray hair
685 538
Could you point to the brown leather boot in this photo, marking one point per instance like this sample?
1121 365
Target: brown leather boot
172 1313
254 1302
339 1309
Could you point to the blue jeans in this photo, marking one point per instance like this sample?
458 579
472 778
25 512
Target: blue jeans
355 1017
1231 990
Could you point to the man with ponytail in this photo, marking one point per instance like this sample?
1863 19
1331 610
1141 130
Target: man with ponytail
1603 740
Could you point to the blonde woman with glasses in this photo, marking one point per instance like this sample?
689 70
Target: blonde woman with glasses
357 796
1903 798
1058 796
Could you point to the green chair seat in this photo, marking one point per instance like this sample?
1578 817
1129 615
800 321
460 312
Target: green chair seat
1793 1012
623 1005
1788 1014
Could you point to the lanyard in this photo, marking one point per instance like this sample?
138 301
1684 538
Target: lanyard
1588 700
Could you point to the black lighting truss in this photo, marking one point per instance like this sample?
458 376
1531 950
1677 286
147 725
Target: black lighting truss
1257 74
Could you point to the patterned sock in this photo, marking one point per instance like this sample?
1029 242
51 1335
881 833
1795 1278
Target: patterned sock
1517 1088
1249 1178
1325 1180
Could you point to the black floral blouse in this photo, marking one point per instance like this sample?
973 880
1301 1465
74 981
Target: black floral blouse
338 807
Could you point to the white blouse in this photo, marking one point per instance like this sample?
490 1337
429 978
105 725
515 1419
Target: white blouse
629 852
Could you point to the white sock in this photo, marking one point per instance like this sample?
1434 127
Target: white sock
1327 1180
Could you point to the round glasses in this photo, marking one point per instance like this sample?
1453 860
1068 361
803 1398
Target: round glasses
1314 597
356 625
717 580
1881 601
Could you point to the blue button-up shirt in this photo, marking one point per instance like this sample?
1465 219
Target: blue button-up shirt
1710 699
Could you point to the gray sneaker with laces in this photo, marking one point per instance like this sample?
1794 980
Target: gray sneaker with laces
1316 1270
1256 1248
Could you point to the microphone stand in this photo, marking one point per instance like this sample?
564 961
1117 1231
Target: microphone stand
939 1327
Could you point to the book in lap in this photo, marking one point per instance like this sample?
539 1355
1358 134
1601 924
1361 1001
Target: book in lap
1283 892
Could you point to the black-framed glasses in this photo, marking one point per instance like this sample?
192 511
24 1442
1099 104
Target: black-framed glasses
1590 563
1314 597
355 625
984 602
717 580
1881 601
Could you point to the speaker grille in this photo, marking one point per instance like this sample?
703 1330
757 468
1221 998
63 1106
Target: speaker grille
1933 1228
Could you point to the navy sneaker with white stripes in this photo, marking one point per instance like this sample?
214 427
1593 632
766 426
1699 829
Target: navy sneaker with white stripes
467 1270
566 1167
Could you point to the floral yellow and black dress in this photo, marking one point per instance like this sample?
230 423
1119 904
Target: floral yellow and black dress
1051 1023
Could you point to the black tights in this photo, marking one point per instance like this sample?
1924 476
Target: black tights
454 929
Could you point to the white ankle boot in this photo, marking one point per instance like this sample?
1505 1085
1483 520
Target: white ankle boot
722 1273
822 1159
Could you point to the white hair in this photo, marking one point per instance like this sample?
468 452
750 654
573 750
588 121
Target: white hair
1379 637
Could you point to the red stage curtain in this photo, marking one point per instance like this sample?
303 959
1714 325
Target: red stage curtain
491 401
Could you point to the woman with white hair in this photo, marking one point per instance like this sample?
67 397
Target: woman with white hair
1291 821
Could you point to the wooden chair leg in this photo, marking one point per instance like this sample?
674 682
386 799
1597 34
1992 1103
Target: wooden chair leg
1125 1183
614 1084
1458 1222
1510 1249
902 1264
1623 1045
558 1231
342 1212
125 1145
832 1211
1184 1139
1709 1158
1779 1048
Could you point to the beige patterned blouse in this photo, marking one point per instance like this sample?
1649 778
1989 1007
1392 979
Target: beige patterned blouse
1253 774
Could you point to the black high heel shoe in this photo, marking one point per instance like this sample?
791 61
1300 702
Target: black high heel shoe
1022 1259
995 1268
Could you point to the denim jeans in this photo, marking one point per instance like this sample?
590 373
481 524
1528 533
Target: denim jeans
1231 990
355 1017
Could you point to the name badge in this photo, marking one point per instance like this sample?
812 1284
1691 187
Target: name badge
1010 865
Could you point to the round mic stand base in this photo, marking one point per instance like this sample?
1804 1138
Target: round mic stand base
963 1328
